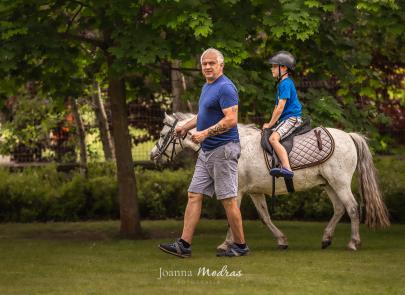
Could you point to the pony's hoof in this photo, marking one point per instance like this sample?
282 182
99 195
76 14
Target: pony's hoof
223 247
353 244
326 244
351 248
282 247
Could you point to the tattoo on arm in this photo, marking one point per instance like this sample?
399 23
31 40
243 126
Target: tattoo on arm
235 109
217 129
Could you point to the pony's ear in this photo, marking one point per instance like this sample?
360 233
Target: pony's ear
167 117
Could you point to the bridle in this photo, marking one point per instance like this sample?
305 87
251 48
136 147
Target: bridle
170 139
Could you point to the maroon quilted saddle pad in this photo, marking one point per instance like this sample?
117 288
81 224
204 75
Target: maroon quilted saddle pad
309 149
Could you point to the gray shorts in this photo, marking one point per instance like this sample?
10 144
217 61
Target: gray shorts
216 171
287 126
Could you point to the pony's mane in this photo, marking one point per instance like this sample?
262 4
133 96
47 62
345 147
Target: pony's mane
248 126
182 116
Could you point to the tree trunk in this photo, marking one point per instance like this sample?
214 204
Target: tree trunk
102 122
129 212
2 118
81 134
178 87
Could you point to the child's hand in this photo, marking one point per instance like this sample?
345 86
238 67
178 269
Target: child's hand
266 125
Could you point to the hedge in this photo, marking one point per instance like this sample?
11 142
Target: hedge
43 194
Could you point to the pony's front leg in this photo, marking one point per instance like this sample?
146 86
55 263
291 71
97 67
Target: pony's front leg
229 237
261 206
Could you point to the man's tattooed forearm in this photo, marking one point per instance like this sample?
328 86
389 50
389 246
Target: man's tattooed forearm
217 129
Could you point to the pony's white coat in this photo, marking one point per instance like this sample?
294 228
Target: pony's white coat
335 175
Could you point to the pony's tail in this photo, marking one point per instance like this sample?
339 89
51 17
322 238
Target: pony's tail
376 211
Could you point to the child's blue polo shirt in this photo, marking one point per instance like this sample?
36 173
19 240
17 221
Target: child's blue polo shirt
286 90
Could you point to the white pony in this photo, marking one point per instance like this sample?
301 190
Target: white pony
335 175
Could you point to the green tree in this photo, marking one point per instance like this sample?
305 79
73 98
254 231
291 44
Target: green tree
128 45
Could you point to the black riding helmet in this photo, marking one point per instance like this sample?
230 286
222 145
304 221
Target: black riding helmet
282 58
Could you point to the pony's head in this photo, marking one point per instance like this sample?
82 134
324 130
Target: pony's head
169 145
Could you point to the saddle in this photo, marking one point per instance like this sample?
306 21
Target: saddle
286 142
305 147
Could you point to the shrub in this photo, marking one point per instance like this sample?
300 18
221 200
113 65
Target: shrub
43 194
162 193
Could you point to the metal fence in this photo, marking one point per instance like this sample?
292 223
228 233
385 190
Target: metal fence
145 126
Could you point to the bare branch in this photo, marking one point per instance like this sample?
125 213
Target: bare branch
73 18
93 41
82 4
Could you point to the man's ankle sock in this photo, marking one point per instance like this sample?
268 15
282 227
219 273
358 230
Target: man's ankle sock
242 246
184 243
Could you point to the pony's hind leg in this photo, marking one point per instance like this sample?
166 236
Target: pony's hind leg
259 200
338 212
345 195
338 172
353 210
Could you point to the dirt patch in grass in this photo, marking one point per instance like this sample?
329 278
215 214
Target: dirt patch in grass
161 233
86 235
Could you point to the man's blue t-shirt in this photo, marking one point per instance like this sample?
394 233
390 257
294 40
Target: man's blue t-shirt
220 94
292 108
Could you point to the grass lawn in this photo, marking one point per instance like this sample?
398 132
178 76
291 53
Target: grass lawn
89 258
